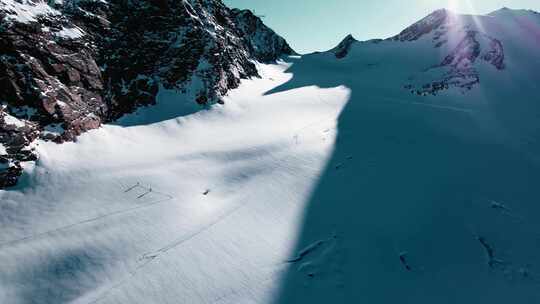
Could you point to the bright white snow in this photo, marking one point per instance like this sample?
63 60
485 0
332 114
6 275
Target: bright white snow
269 199
70 33
25 10
12 120
125 206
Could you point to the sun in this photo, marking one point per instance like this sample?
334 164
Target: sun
461 6
466 7
453 5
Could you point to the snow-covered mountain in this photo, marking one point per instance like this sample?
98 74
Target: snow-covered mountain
430 193
68 66
383 171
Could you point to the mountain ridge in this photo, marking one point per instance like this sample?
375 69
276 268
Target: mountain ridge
70 66
461 38
103 63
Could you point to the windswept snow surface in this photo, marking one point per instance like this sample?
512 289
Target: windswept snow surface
198 209
322 182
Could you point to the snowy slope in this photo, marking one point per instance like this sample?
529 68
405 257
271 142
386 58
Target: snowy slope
326 181
85 230
426 199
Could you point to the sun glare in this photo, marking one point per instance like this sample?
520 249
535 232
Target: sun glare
465 7
461 6
453 5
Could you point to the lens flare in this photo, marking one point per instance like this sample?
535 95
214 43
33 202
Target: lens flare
461 6
466 7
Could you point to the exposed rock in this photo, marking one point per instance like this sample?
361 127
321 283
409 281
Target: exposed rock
342 50
262 41
79 63
15 137
458 68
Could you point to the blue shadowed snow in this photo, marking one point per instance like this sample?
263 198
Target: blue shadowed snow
425 199
170 104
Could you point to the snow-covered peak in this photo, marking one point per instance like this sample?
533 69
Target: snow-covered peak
508 12
458 49
425 26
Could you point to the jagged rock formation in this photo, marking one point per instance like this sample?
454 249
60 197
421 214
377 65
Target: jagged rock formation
344 46
262 41
68 66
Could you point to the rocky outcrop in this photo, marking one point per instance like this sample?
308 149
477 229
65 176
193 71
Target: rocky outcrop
458 68
15 139
262 41
57 76
342 50
69 66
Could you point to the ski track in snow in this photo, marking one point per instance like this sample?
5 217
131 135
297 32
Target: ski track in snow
87 221
152 257
309 132
427 105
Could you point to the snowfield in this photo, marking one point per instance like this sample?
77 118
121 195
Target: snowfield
173 202
325 181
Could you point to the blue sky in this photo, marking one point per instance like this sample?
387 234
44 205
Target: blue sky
316 25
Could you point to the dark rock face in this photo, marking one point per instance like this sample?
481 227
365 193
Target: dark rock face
79 63
15 136
342 50
263 43
458 68
57 77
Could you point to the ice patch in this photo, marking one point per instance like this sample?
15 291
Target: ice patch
70 33
53 129
23 112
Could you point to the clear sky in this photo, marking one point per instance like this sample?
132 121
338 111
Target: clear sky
317 25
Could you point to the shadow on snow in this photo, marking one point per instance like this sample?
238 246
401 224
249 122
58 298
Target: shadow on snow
418 204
